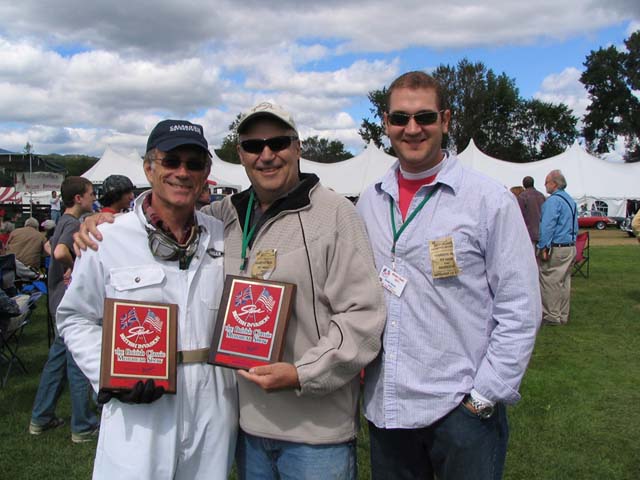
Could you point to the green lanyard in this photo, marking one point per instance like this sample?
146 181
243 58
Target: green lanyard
247 234
397 233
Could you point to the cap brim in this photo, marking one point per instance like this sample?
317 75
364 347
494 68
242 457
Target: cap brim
176 142
242 125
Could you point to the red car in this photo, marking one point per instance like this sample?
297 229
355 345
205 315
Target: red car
594 219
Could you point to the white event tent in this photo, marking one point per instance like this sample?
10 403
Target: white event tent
130 165
589 178
349 177
114 163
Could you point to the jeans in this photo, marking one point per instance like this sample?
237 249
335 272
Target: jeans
60 366
260 458
456 447
55 215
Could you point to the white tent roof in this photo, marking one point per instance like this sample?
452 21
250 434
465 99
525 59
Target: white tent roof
227 174
114 163
349 177
588 178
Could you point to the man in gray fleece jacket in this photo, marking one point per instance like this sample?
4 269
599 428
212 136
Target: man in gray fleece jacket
299 417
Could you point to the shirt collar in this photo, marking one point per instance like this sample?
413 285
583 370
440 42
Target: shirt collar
450 175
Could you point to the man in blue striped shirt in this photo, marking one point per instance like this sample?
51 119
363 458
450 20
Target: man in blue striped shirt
463 301
557 249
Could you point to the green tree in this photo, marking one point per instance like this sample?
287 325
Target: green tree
228 150
373 130
464 92
610 77
324 150
546 128
74 164
28 149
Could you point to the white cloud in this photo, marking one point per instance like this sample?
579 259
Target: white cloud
76 76
565 87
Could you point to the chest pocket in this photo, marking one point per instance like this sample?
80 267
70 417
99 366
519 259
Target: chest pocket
142 282
211 284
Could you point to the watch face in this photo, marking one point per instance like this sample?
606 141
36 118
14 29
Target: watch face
485 412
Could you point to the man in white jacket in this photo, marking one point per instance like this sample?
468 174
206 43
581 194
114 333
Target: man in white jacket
163 251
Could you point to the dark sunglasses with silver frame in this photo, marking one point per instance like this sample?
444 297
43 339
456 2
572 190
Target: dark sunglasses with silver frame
401 119
275 144
193 163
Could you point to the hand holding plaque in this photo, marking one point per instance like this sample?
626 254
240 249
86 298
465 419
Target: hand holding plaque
138 344
252 322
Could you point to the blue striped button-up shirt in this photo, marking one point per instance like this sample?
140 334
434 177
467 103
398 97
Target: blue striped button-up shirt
446 336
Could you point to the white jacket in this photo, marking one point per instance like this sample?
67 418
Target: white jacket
187 435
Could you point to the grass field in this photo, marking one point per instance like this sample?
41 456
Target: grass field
578 419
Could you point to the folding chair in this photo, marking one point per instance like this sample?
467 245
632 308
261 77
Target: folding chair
581 263
8 274
10 338
11 332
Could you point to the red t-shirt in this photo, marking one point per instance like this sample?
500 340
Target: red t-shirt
408 188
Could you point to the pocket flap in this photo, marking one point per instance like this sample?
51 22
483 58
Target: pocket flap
129 278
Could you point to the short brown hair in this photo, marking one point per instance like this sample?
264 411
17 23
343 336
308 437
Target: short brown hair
417 80
72 186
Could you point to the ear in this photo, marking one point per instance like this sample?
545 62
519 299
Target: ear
240 153
446 118
385 121
148 170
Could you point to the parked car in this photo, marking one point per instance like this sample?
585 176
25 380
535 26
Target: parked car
595 219
625 226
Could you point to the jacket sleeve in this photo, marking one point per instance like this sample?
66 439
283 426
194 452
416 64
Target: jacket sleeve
356 309
512 274
79 315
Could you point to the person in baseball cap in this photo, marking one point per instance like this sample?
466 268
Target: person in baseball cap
117 194
159 252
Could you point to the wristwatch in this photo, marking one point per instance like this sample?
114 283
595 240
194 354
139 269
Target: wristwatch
482 410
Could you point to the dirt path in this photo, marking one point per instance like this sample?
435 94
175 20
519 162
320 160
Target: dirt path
610 236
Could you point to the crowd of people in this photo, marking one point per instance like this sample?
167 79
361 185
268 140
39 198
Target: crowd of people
435 284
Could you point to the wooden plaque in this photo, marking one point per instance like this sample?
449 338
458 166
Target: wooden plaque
139 342
252 322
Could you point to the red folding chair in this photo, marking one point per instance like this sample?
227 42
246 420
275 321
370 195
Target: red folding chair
581 263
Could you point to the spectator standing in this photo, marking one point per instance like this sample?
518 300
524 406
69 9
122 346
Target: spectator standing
530 201
635 225
117 194
77 195
462 299
54 203
557 249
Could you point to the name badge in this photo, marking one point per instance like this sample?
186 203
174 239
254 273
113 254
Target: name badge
443 258
264 264
392 281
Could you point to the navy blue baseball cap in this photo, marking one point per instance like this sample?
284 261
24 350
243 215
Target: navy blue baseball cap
170 134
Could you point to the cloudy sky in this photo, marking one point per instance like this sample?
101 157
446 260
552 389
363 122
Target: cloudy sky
77 76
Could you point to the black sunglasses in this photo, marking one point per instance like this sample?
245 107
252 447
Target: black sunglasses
195 164
275 144
400 119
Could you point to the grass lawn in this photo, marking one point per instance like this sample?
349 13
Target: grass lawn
578 419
